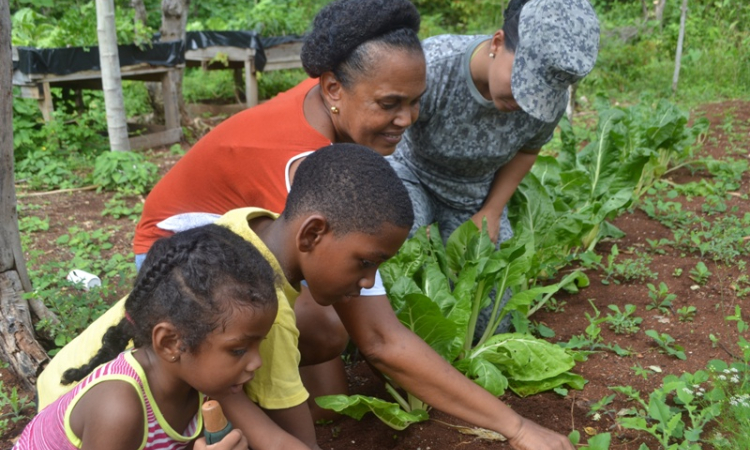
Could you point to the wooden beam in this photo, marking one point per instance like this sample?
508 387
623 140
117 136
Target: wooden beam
158 139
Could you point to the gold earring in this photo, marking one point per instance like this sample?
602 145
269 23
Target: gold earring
492 55
174 358
334 110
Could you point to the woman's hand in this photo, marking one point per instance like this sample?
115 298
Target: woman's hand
493 223
532 436
235 440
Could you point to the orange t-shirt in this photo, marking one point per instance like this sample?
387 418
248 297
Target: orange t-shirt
242 162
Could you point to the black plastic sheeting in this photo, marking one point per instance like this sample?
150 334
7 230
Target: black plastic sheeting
240 39
64 61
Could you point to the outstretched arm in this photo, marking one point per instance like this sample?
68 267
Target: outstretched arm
402 355
261 432
507 178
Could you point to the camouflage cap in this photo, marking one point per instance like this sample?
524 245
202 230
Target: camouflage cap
558 45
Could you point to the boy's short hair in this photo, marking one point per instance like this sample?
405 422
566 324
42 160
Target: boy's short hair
353 187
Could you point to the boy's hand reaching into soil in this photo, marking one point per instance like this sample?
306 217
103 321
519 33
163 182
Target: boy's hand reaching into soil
235 440
532 436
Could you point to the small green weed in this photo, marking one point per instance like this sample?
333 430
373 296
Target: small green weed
656 245
15 402
554 305
126 172
592 340
623 322
741 286
700 273
118 207
667 344
733 425
660 297
33 224
686 313
636 268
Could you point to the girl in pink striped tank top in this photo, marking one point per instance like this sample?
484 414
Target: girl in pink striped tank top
200 307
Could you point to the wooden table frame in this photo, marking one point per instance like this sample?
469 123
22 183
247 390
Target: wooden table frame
37 86
278 57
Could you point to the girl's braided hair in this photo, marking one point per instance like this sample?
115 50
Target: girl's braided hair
344 32
194 280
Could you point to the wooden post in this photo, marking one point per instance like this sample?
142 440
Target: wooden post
45 103
171 102
680 40
251 83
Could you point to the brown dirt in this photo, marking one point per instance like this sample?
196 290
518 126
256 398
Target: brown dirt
602 370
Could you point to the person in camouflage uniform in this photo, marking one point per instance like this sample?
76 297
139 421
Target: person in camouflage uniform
491 103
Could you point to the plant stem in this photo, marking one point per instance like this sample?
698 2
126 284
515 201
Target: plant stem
396 396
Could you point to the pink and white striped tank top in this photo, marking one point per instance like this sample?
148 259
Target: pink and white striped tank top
50 429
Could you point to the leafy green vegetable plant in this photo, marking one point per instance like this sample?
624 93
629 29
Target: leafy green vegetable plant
438 290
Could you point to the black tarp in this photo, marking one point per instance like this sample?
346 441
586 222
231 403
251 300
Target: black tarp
64 61
239 39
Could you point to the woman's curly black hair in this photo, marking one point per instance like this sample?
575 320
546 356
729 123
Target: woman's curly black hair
194 280
345 31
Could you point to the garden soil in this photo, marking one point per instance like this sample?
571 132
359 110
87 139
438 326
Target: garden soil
713 303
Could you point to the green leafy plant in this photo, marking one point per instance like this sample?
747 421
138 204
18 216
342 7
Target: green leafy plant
700 273
118 207
644 372
32 224
598 442
126 172
636 268
660 297
438 290
15 402
592 340
655 245
686 313
667 344
741 286
623 322
733 424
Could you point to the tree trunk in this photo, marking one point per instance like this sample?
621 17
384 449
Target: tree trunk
680 40
659 11
18 345
140 12
174 14
109 60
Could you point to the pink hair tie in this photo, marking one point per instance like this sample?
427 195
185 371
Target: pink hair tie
129 319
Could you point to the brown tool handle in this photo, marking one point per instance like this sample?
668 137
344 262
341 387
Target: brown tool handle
213 416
